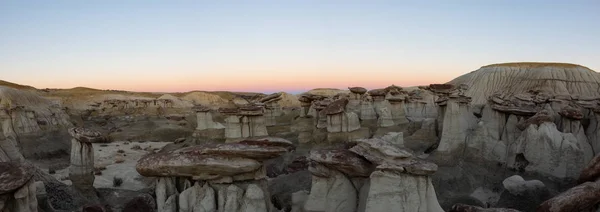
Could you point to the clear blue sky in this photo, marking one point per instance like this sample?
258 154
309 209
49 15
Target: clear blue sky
283 45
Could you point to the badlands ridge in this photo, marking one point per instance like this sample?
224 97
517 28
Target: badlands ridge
506 137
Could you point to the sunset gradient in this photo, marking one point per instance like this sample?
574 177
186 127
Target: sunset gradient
294 46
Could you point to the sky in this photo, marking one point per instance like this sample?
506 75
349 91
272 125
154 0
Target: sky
290 45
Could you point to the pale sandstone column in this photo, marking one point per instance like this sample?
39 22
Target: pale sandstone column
81 171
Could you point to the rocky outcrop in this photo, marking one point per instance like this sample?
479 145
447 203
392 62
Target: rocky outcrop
511 78
355 99
244 122
382 108
456 116
36 125
272 108
583 197
8 149
338 120
204 119
337 178
591 172
321 115
344 181
367 111
225 176
17 188
548 151
523 194
81 171
396 165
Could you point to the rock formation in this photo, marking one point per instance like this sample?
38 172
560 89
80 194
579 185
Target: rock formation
321 116
253 121
338 120
36 124
244 122
206 127
223 177
382 108
17 189
511 125
8 148
340 180
272 108
414 191
355 99
367 111
584 197
204 119
81 171
456 116
523 194
591 172
511 78
337 178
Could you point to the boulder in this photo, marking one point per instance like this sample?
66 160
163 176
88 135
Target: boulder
14 175
583 197
591 172
571 113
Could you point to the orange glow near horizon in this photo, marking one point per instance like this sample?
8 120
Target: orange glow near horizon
250 82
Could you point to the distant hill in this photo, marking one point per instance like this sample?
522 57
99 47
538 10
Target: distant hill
16 86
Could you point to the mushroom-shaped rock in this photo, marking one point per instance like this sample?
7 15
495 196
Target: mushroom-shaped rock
251 110
336 107
14 175
378 151
200 108
378 92
591 172
583 197
537 119
86 135
190 164
342 160
571 113
358 90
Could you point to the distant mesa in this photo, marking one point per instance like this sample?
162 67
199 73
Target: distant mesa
513 78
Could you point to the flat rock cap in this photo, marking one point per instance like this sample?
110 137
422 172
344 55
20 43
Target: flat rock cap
358 90
86 135
200 108
337 106
13 175
378 92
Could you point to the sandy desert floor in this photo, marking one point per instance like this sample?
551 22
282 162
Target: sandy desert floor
116 159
